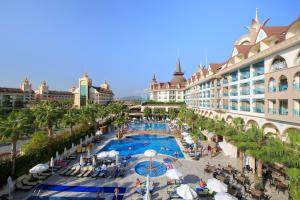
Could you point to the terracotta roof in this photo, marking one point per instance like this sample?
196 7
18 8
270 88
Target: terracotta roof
12 90
278 31
243 49
215 67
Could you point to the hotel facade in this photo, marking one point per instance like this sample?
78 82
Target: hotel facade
87 93
260 82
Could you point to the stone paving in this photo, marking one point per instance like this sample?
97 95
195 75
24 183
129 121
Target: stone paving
192 171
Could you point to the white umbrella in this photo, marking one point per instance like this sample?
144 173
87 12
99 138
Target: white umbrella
88 154
216 185
10 187
57 156
189 141
174 174
99 132
39 168
188 137
65 152
147 195
113 153
224 196
185 134
186 192
102 154
81 161
80 141
117 159
150 153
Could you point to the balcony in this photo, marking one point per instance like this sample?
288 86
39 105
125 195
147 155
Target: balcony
297 86
225 81
233 93
225 107
283 87
218 106
259 71
234 108
259 90
297 112
283 111
245 108
218 84
272 89
245 92
212 95
244 75
258 109
272 110
225 94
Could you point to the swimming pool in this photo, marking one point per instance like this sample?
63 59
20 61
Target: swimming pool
148 126
140 143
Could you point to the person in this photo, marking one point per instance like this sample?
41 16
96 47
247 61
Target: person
176 154
117 190
202 183
104 167
129 148
137 183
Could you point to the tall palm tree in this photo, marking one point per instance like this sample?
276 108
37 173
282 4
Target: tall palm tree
147 112
118 122
13 127
89 115
70 118
47 115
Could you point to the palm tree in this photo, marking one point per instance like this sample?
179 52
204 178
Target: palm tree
13 127
70 118
118 122
147 112
172 113
238 123
47 115
89 115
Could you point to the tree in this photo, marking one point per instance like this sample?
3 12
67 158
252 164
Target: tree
172 113
89 115
147 112
47 115
70 118
118 122
13 127
238 123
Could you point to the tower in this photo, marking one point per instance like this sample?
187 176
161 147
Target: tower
84 85
26 86
153 80
178 74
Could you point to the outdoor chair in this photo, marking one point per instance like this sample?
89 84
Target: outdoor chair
88 172
76 171
39 177
95 174
22 187
62 173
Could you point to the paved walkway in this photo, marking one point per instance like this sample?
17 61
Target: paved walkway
191 170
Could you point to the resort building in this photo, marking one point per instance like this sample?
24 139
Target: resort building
43 93
87 93
172 91
16 97
260 82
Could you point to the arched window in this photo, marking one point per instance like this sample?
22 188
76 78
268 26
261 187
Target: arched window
297 81
271 85
278 63
283 83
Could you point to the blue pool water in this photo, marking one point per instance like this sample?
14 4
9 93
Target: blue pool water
148 126
158 169
140 143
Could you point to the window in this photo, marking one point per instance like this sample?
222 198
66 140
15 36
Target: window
283 84
278 63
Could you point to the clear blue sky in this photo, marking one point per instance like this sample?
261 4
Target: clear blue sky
124 41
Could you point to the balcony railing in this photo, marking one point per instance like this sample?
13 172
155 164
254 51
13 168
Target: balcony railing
297 112
297 86
283 87
233 93
225 107
272 110
225 81
234 108
245 108
245 92
244 75
258 72
283 111
225 94
259 91
258 109
272 89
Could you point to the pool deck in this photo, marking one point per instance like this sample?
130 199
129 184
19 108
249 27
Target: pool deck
192 170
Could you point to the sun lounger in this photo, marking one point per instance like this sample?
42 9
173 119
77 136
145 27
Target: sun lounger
76 171
103 174
38 177
69 172
62 173
82 172
27 182
21 186
45 174
95 174
89 171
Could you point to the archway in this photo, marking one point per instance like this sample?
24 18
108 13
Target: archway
251 123
229 119
271 129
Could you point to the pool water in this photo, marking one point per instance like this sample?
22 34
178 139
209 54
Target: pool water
166 145
158 168
148 126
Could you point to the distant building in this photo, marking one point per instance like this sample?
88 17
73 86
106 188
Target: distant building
43 93
87 93
16 97
172 91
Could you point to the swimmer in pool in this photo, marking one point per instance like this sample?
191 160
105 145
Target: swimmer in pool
130 148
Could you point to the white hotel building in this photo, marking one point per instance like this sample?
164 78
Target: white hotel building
260 82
